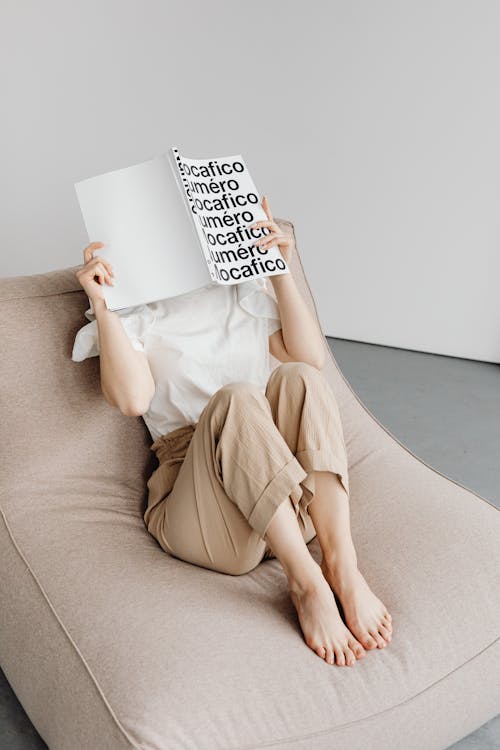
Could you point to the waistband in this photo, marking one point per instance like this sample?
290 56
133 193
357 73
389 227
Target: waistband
173 445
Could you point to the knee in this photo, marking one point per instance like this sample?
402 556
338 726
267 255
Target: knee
236 566
297 371
302 378
228 567
221 560
240 390
230 564
245 401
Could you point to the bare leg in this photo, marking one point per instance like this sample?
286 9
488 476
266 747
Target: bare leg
319 617
365 615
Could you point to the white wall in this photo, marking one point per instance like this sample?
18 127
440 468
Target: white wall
373 125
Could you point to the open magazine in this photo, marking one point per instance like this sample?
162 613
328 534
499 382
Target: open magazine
154 217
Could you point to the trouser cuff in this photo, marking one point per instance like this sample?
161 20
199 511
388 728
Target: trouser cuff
279 488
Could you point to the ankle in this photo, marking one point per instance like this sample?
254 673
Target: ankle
306 577
340 565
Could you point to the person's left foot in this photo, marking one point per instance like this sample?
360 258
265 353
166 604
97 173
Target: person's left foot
365 615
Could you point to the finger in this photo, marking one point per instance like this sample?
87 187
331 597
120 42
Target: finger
268 247
270 240
87 253
266 238
108 279
267 209
269 224
98 272
280 245
106 263
98 276
102 274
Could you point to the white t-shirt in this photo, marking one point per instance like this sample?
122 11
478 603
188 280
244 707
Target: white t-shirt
195 343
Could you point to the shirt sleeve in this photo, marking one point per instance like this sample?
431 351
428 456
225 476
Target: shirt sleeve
254 297
135 320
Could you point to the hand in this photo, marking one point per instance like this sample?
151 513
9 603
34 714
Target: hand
94 273
284 241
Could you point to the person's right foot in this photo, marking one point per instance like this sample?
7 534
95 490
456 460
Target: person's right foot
322 626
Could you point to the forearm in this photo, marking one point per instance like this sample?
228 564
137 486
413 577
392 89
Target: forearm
125 381
303 340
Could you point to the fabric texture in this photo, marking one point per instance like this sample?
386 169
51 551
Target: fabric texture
219 482
195 343
110 643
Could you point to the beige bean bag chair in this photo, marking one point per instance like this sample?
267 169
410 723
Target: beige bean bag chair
110 643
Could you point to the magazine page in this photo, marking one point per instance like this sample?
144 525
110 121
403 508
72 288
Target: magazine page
141 217
224 203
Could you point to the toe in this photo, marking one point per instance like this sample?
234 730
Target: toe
368 642
329 655
377 637
357 649
385 633
321 651
350 659
339 656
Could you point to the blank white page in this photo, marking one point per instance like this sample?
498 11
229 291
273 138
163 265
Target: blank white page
149 236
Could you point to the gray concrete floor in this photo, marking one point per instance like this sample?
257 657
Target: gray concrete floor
445 409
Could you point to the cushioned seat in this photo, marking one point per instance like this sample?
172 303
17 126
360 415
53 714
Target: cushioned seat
110 643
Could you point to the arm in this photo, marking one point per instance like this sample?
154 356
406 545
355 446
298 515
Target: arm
126 378
300 339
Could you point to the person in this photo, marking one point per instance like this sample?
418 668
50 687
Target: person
252 464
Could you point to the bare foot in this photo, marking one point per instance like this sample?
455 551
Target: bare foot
365 615
321 624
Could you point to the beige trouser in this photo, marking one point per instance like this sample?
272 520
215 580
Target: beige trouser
220 481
